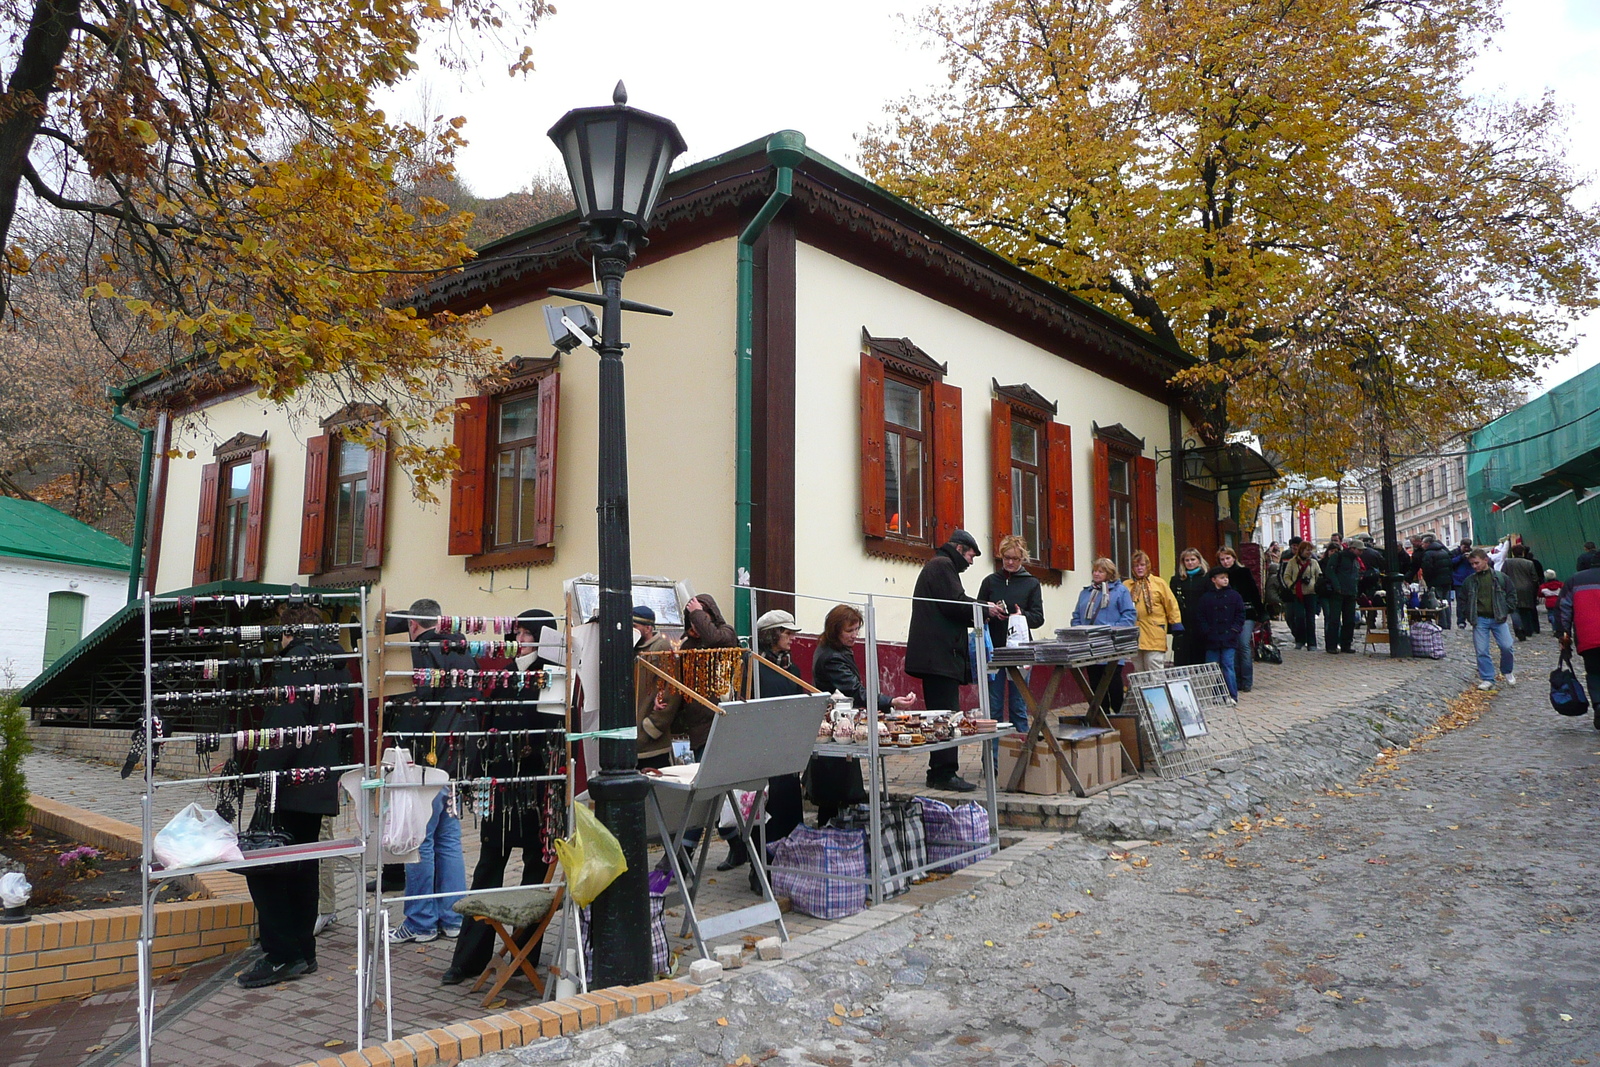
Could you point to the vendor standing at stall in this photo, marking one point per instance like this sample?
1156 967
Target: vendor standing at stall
1019 593
1105 602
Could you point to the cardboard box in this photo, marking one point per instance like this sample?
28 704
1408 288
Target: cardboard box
1085 757
1041 777
1128 727
1110 757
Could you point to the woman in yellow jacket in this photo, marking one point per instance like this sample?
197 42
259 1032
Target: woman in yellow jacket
1158 610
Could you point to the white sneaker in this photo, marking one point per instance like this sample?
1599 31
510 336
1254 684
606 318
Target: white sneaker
323 922
1485 685
1511 679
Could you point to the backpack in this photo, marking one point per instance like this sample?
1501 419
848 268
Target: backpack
1566 693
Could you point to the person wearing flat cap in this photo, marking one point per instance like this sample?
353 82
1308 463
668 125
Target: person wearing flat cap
936 647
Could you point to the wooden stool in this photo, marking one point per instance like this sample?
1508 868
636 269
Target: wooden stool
505 913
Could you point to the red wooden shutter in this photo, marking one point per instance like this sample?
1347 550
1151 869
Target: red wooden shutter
872 470
949 502
257 520
467 488
1000 472
377 483
1058 438
1144 506
313 505
544 523
1102 500
205 530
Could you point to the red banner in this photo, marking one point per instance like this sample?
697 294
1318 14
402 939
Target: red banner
1305 522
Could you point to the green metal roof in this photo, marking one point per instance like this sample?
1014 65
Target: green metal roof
113 677
31 530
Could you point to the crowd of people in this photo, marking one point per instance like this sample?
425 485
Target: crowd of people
1208 613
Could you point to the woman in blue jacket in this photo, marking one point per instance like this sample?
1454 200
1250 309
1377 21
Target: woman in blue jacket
1106 602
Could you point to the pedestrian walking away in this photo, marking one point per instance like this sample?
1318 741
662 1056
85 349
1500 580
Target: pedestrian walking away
1579 627
1486 599
1550 593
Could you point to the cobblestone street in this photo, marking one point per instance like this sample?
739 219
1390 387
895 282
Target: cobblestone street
1440 910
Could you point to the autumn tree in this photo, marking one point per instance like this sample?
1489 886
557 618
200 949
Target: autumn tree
242 188
1301 193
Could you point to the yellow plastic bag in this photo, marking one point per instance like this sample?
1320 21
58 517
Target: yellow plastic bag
591 857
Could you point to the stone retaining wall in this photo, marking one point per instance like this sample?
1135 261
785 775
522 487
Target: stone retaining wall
61 955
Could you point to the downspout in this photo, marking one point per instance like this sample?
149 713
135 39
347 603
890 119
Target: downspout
136 566
785 149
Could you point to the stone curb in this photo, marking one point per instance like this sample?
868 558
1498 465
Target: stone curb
513 1029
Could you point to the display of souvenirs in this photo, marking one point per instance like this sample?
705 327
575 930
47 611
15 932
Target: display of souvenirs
846 725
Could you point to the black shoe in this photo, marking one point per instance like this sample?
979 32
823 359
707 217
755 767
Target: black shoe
952 783
266 973
453 976
738 856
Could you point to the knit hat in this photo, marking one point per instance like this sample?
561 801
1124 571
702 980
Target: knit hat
643 613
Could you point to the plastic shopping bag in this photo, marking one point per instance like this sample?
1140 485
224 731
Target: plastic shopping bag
407 811
196 835
591 857
14 889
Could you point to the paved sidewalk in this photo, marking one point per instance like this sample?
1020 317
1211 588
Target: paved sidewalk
217 1023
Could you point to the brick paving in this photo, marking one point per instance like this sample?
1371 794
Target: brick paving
214 1022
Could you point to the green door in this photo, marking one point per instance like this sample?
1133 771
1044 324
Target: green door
63 626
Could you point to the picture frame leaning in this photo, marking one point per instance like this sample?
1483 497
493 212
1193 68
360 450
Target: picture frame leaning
1165 730
1186 705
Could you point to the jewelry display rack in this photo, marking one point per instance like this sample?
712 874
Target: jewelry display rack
201 666
546 688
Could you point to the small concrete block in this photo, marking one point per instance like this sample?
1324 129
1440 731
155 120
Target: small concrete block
731 957
704 972
769 948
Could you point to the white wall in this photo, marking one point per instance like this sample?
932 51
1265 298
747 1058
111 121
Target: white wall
25 588
835 299
680 390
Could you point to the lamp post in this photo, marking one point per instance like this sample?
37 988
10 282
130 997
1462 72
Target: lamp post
617 159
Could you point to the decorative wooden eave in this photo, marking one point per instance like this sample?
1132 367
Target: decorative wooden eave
1119 435
519 372
1026 399
899 353
239 446
354 413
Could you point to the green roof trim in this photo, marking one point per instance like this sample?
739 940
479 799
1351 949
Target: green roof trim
31 530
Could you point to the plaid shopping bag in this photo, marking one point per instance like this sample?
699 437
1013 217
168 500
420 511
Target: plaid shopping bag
905 845
1427 640
660 953
953 830
817 854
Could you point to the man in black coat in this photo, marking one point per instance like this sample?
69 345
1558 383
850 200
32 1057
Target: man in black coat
1437 574
285 894
936 648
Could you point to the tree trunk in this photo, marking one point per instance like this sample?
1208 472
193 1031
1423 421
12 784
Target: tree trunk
32 81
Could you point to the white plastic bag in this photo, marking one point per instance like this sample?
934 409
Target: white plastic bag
1017 630
407 811
14 889
196 835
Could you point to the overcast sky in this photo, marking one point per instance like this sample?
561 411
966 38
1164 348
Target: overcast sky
729 71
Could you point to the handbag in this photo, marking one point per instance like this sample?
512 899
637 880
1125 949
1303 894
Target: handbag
262 831
1566 693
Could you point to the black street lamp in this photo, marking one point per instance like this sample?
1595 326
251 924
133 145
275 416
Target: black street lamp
617 158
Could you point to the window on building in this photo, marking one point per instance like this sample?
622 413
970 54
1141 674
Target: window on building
1433 489
911 459
905 459
233 498
1125 497
1031 488
502 502
342 524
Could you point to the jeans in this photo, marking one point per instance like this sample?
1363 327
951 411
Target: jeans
1244 657
1483 627
439 869
1006 704
1338 622
1302 614
1555 624
1225 658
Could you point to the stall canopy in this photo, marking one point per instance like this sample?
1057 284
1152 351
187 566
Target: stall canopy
1217 467
104 673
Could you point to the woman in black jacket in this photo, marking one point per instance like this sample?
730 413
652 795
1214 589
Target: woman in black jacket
1189 585
836 780
1018 593
515 820
285 894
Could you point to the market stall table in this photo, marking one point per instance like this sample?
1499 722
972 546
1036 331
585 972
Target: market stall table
1040 708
